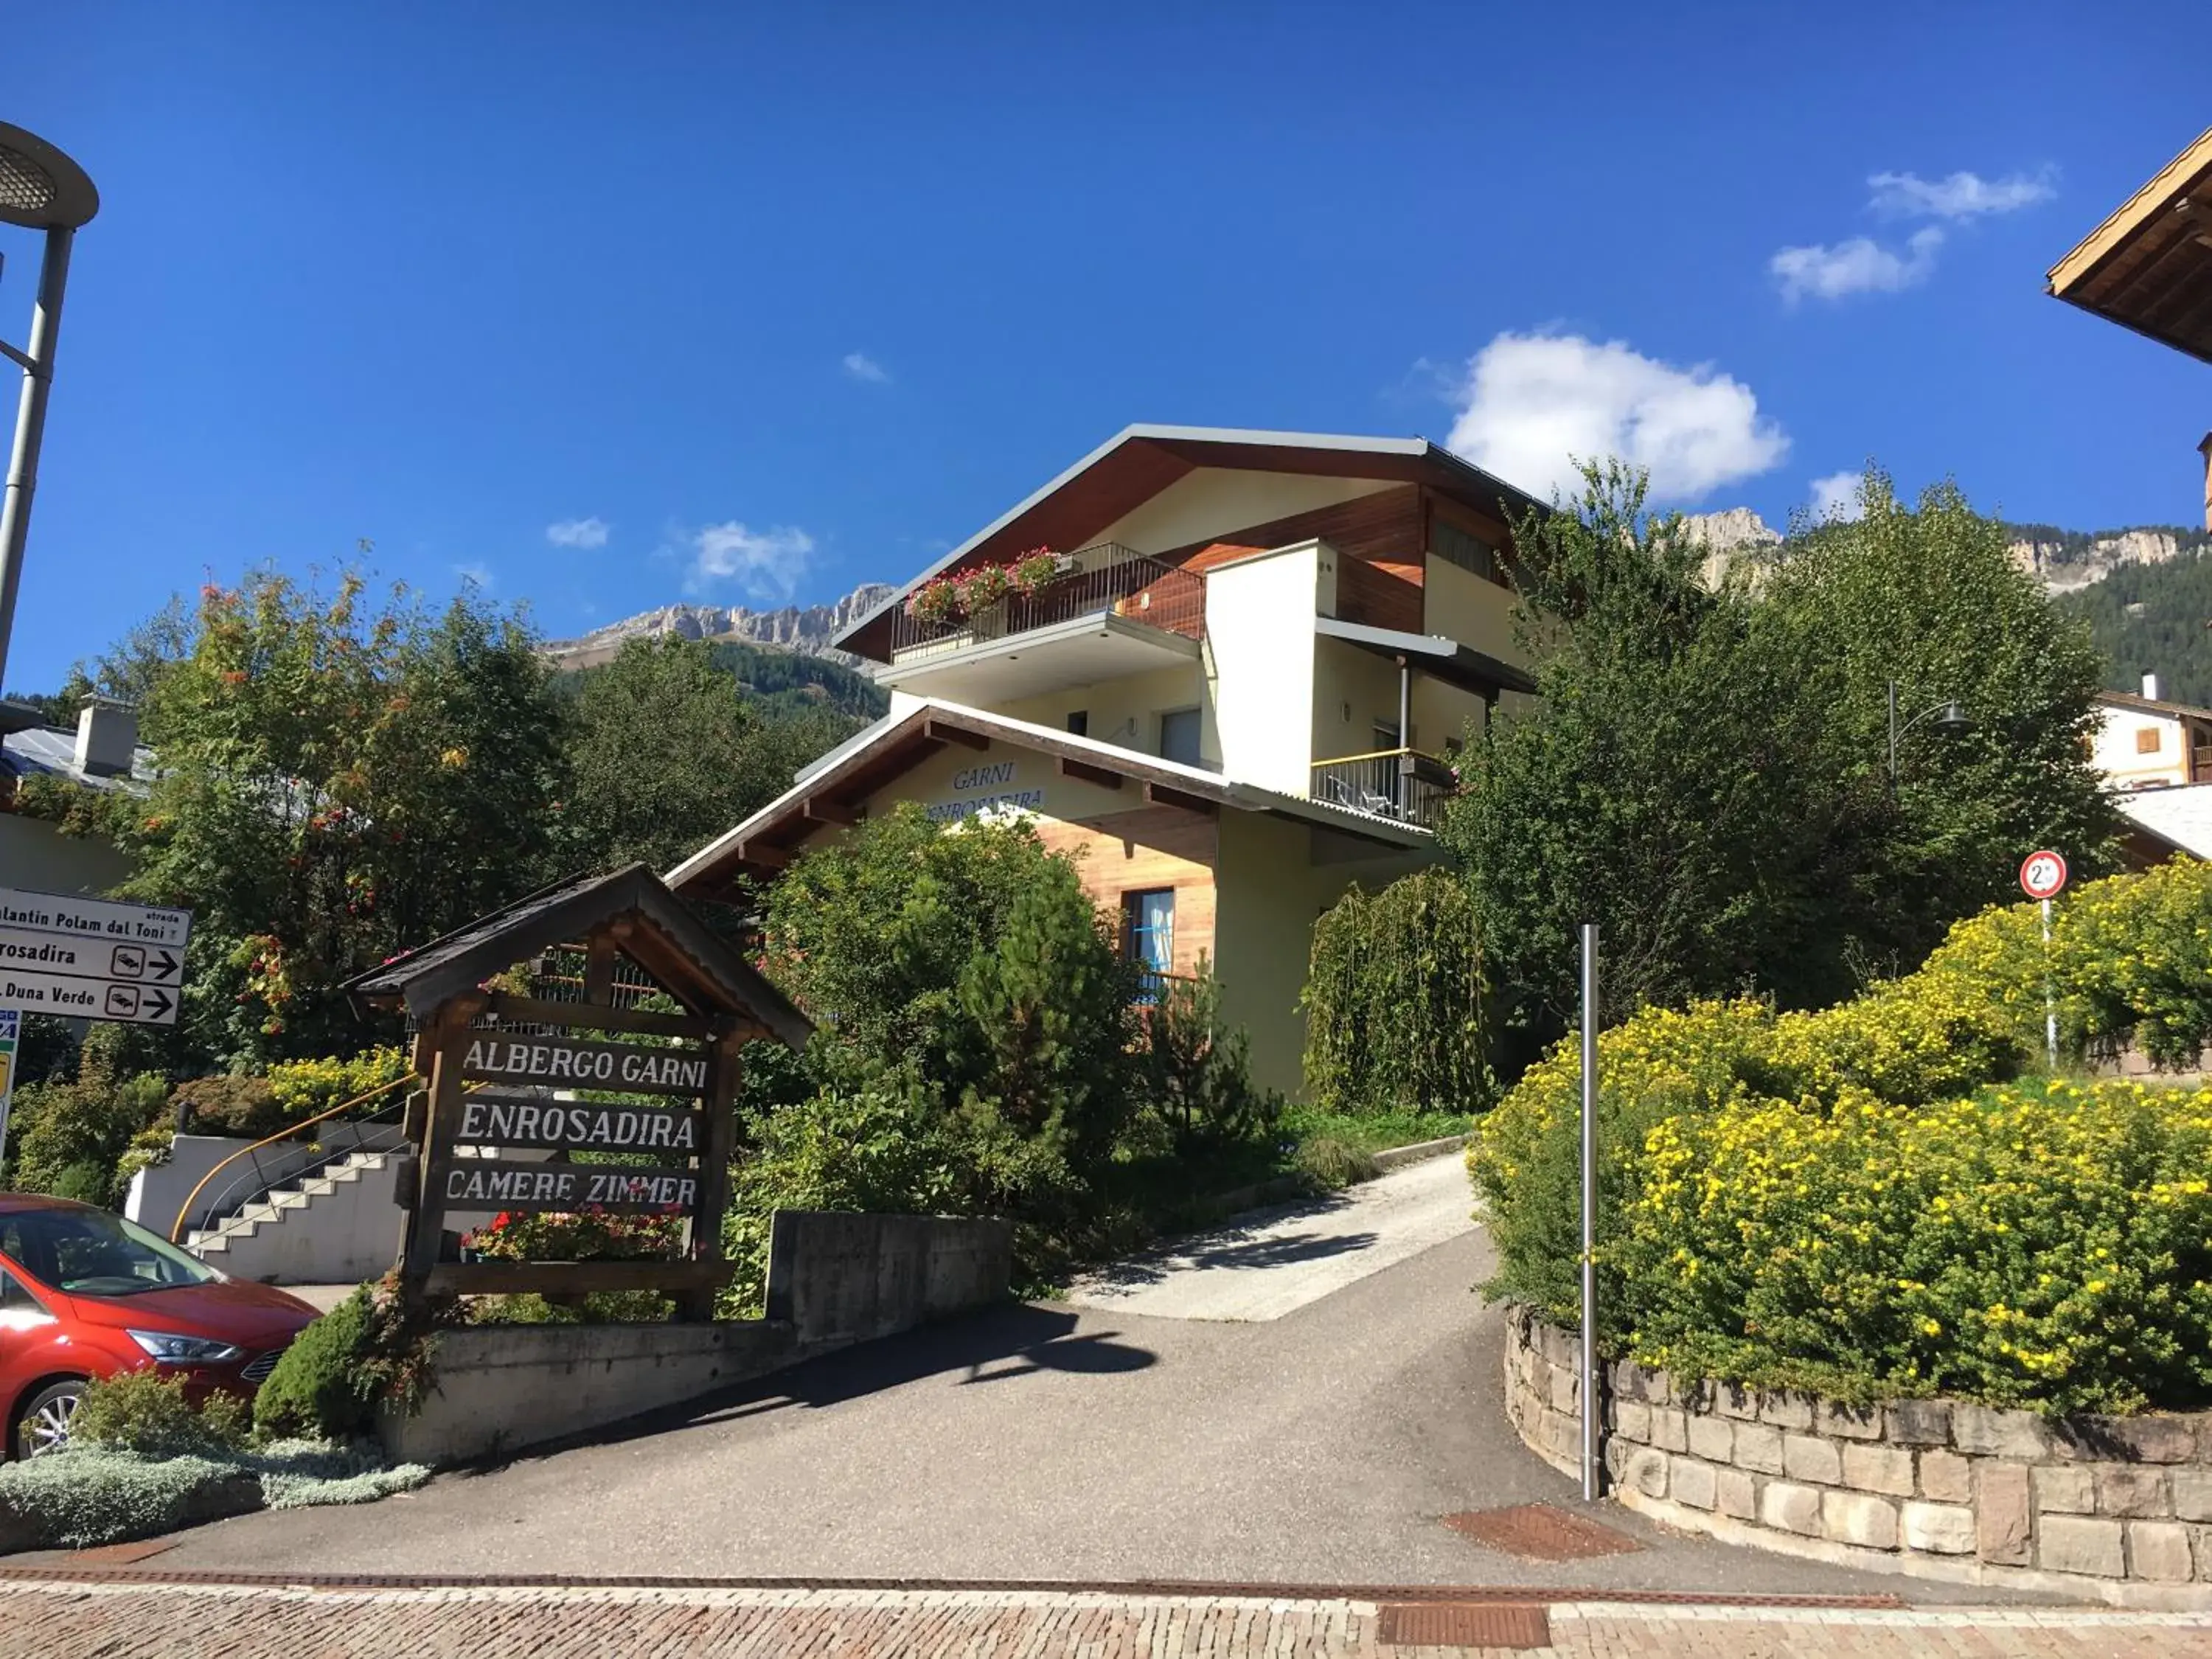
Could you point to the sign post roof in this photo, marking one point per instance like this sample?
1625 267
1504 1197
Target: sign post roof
700 968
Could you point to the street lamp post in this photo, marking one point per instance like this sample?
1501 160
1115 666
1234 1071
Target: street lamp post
1950 716
40 189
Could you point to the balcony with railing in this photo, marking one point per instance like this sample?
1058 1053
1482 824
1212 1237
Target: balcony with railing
1401 784
1107 580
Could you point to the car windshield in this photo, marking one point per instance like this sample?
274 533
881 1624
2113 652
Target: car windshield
91 1253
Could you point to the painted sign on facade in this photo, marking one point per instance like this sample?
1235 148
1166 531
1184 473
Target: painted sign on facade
993 787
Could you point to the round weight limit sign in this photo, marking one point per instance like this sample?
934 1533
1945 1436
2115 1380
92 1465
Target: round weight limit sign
2043 875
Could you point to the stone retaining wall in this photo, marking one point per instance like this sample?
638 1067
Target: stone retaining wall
2116 1507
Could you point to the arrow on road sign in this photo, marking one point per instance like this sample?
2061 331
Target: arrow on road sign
165 965
155 1001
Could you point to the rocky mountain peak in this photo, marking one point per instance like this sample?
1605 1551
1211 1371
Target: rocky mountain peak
805 629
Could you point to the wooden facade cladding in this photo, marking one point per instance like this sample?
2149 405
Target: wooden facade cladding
1382 538
1143 850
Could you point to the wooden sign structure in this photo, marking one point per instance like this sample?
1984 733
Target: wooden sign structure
517 1073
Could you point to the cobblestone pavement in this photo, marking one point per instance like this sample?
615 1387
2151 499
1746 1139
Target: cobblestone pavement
62 1619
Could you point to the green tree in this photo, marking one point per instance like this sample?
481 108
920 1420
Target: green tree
1927 596
665 755
966 971
339 782
1654 785
1705 773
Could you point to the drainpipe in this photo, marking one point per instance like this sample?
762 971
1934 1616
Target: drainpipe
1405 738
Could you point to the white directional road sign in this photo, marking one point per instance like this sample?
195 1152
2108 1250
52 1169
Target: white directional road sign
91 958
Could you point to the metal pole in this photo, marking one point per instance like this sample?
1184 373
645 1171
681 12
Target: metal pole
1593 1413
30 428
1405 736
2050 996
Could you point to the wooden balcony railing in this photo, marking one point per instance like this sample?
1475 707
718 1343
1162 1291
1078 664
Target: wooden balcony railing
1403 784
1108 577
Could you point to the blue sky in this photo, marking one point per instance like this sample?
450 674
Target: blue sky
617 305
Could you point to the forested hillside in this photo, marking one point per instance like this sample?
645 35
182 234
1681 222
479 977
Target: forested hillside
2154 619
792 682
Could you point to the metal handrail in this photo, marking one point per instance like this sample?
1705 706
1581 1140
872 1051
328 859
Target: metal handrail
252 1185
1382 754
177 1230
1407 785
1107 577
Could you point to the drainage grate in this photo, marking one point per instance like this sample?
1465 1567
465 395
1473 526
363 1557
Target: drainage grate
1448 1624
1538 1532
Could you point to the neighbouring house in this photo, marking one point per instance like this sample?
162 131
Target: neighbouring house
2145 742
1232 668
2162 824
102 754
2148 266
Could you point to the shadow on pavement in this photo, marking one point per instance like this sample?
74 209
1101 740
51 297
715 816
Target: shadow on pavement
992 1346
1241 1245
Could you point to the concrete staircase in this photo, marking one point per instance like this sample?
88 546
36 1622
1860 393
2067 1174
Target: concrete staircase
339 1226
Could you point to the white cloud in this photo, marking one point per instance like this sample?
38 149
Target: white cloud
1862 265
578 532
1961 196
1536 404
766 564
476 575
861 367
1836 497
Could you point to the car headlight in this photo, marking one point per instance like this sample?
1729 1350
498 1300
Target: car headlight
170 1349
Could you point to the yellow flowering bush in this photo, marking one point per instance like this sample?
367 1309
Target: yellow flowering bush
1868 1198
306 1088
2129 962
2047 1244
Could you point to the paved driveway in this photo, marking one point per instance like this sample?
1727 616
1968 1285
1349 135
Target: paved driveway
1272 1262
1094 1443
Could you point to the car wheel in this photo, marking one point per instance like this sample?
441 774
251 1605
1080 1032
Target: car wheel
46 1422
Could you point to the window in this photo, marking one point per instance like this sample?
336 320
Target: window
1148 937
15 1298
1078 722
91 1253
2146 739
1455 546
1179 736
1386 736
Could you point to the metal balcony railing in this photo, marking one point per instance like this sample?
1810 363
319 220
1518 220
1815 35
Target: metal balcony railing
1108 577
1403 784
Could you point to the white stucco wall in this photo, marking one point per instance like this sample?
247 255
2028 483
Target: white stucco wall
1269 892
1260 635
1127 711
1463 606
36 855
1353 691
2113 749
1443 714
1211 500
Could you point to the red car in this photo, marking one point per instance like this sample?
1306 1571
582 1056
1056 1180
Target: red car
84 1293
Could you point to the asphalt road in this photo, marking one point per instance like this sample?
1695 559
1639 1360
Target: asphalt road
1047 1441
1272 1262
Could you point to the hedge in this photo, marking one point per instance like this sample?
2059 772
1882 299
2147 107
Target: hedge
1394 1000
1868 1200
